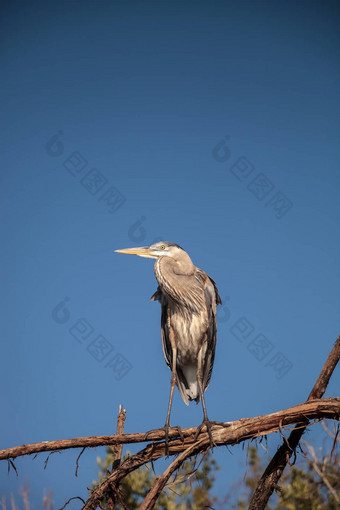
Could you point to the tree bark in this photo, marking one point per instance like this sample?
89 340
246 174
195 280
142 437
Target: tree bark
233 433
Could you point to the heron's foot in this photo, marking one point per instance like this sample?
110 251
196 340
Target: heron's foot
166 434
207 424
148 433
166 429
179 432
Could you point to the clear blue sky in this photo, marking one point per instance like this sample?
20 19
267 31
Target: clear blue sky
214 125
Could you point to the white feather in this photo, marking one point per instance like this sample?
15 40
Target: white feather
189 372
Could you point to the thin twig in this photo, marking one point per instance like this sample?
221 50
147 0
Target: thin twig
48 456
319 472
68 501
161 481
329 432
336 438
77 461
11 463
284 437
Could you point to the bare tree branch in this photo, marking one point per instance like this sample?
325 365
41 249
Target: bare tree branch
77 461
88 442
69 500
274 470
334 436
237 431
118 448
230 433
115 493
159 484
319 472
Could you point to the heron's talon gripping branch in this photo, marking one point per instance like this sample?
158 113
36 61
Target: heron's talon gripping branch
180 433
146 435
207 424
166 431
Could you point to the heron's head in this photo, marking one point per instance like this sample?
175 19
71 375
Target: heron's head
155 251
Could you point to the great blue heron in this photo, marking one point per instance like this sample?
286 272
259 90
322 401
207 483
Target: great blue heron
188 297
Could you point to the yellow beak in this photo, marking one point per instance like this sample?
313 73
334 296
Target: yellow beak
143 251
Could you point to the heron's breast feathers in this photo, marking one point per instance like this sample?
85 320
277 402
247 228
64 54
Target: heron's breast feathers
186 290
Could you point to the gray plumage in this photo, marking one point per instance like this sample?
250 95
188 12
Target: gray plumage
188 298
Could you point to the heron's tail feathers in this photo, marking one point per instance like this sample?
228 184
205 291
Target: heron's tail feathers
187 383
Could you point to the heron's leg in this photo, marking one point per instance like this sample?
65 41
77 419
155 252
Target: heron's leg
206 421
173 384
172 389
167 422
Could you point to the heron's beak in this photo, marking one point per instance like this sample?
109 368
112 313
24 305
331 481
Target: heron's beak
144 251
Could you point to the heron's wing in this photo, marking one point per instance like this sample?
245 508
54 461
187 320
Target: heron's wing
157 296
217 296
167 350
212 298
197 285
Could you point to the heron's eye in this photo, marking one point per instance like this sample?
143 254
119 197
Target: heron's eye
163 247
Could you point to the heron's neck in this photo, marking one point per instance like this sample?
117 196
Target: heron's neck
177 281
184 266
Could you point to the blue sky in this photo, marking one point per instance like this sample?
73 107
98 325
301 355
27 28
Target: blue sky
214 125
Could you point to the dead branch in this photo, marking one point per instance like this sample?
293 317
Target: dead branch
118 448
159 484
77 461
301 415
236 432
87 442
334 436
274 470
69 500
319 472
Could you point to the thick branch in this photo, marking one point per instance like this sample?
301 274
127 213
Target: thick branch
235 432
88 442
229 434
274 470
